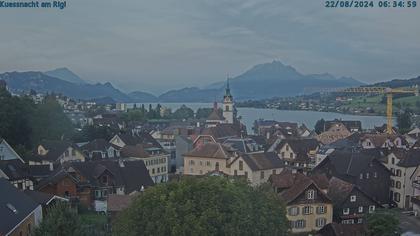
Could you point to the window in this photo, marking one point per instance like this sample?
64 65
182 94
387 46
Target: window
399 173
235 173
291 155
347 222
398 184
282 154
217 166
192 162
307 210
73 152
375 174
320 222
367 175
361 175
371 209
201 163
393 161
66 153
241 165
246 174
397 197
346 211
352 198
227 108
293 211
300 224
393 171
310 194
360 220
274 172
392 183
321 210
208 163
153 170
287 147
360 209
262 175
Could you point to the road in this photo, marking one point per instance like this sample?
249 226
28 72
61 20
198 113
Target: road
410 225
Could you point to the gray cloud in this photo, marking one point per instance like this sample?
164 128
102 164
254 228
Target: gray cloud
165 44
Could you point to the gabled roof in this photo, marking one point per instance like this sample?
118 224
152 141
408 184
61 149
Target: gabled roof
349 163
335 229
349 124
262 161
410 158
134 151
300 146
142 138
339 190
301 184
41 197
15 206
215 115
55 149
210 150
14 169
96 145
222 131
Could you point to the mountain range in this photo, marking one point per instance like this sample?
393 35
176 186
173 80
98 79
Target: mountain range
261 81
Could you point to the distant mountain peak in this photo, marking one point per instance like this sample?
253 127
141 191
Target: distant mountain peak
65 74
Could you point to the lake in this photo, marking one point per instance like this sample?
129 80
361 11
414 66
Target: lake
309 118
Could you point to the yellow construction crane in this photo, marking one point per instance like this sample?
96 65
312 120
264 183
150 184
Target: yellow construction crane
389 93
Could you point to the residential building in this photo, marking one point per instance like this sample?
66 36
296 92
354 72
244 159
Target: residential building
19 214
155 160
336 130
308 207
17 173
100 149
297 153
51 152
404 165
183 145
335 229
361 169
7 152
369 141
351 204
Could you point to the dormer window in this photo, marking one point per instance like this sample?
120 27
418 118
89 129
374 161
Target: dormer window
310 194
352 198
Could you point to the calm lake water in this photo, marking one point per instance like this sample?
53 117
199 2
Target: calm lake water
309 118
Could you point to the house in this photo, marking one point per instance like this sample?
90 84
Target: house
404 165
361 169
335 229
91 182
243 145
19 214
208 157
7 152
56 152
100 149
257 167
334 130
183 145
308 207
215 117
155 159
17 173
350 202
297 153
382 141
351 125
219 134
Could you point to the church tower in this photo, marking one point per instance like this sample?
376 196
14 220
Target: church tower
229 111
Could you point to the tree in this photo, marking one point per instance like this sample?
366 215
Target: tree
204 206
203 113
320 126
183 112
60 220
404 121
383 222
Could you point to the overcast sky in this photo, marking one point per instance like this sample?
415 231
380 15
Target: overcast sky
157 45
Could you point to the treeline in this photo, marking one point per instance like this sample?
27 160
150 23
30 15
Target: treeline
23 123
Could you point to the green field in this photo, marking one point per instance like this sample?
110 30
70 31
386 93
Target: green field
377 104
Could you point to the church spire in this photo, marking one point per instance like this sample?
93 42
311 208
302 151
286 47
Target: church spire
227 90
